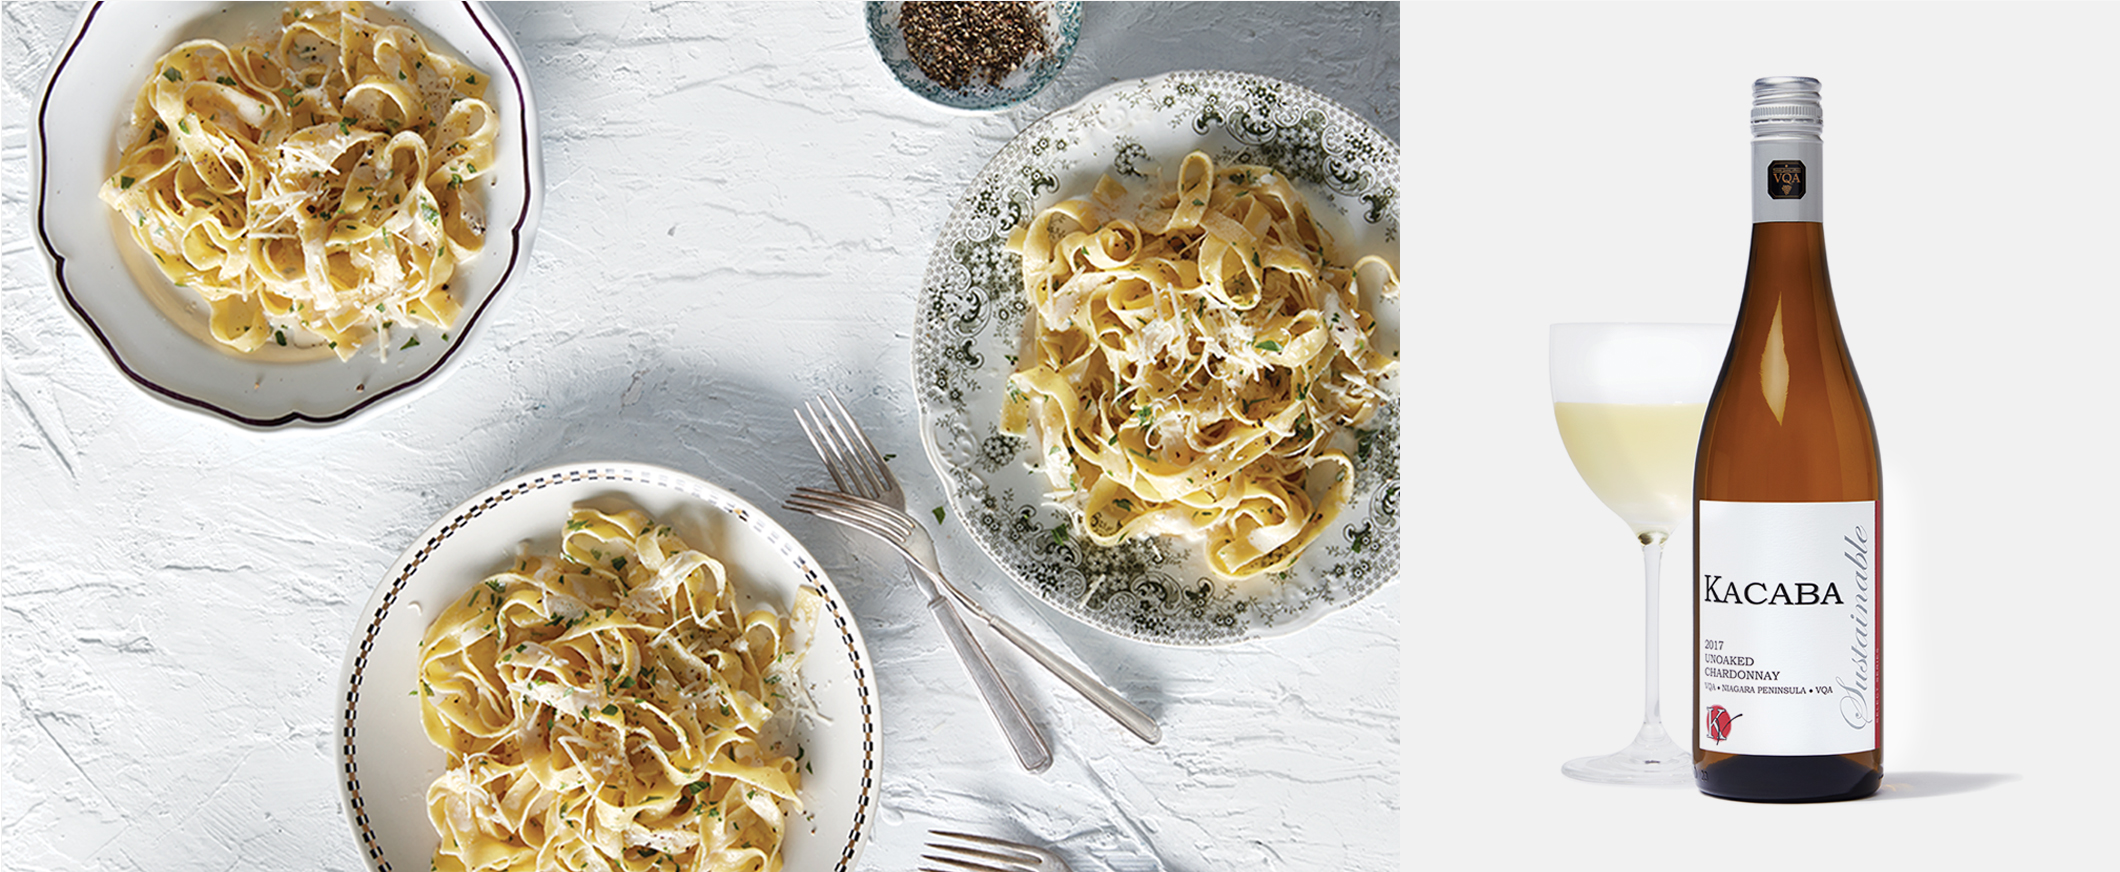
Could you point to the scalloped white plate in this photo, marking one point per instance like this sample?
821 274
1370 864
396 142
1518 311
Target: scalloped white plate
155 332
385 758
969 328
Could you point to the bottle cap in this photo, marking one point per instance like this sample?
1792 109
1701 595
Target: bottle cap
1786 107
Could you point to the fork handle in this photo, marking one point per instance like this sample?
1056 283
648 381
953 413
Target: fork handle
1022 735
1104 698
1126 713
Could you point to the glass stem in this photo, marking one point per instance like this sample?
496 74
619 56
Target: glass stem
1652 568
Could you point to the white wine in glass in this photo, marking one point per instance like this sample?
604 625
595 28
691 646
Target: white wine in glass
1629 399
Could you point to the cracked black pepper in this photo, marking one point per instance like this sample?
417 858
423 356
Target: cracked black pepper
953 42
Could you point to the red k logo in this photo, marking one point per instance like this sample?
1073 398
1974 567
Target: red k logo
1719 721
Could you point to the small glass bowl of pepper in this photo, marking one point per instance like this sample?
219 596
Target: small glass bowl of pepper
975 56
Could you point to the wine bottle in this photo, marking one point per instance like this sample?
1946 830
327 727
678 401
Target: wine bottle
1788 508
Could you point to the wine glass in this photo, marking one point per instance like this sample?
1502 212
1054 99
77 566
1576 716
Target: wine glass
1629 399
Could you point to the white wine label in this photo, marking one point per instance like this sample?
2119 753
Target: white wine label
1788 660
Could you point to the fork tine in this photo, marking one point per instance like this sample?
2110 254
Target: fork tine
864 452
854 501
849 467
814 430
977 854
859 480
985 850
825 509
1021 852
968 865
845 509
850 518
840 457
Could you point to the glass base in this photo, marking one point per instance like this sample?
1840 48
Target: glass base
1652 759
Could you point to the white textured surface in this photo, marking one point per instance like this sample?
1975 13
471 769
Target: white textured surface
741 203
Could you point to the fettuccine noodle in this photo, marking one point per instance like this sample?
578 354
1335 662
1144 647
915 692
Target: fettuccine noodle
603 709
1192 358
312 188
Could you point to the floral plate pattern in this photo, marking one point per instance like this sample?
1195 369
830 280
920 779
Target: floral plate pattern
971 320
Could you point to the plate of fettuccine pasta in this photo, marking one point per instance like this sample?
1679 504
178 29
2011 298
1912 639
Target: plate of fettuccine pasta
285 213
605 666
1157 358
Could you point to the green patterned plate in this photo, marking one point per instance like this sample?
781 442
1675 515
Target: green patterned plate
970 325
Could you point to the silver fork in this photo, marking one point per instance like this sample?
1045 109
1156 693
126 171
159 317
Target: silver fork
987 854
898 530
858 469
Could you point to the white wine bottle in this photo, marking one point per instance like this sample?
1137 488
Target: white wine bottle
1788 508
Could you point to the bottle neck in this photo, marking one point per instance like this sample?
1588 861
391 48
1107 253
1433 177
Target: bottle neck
1788 179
